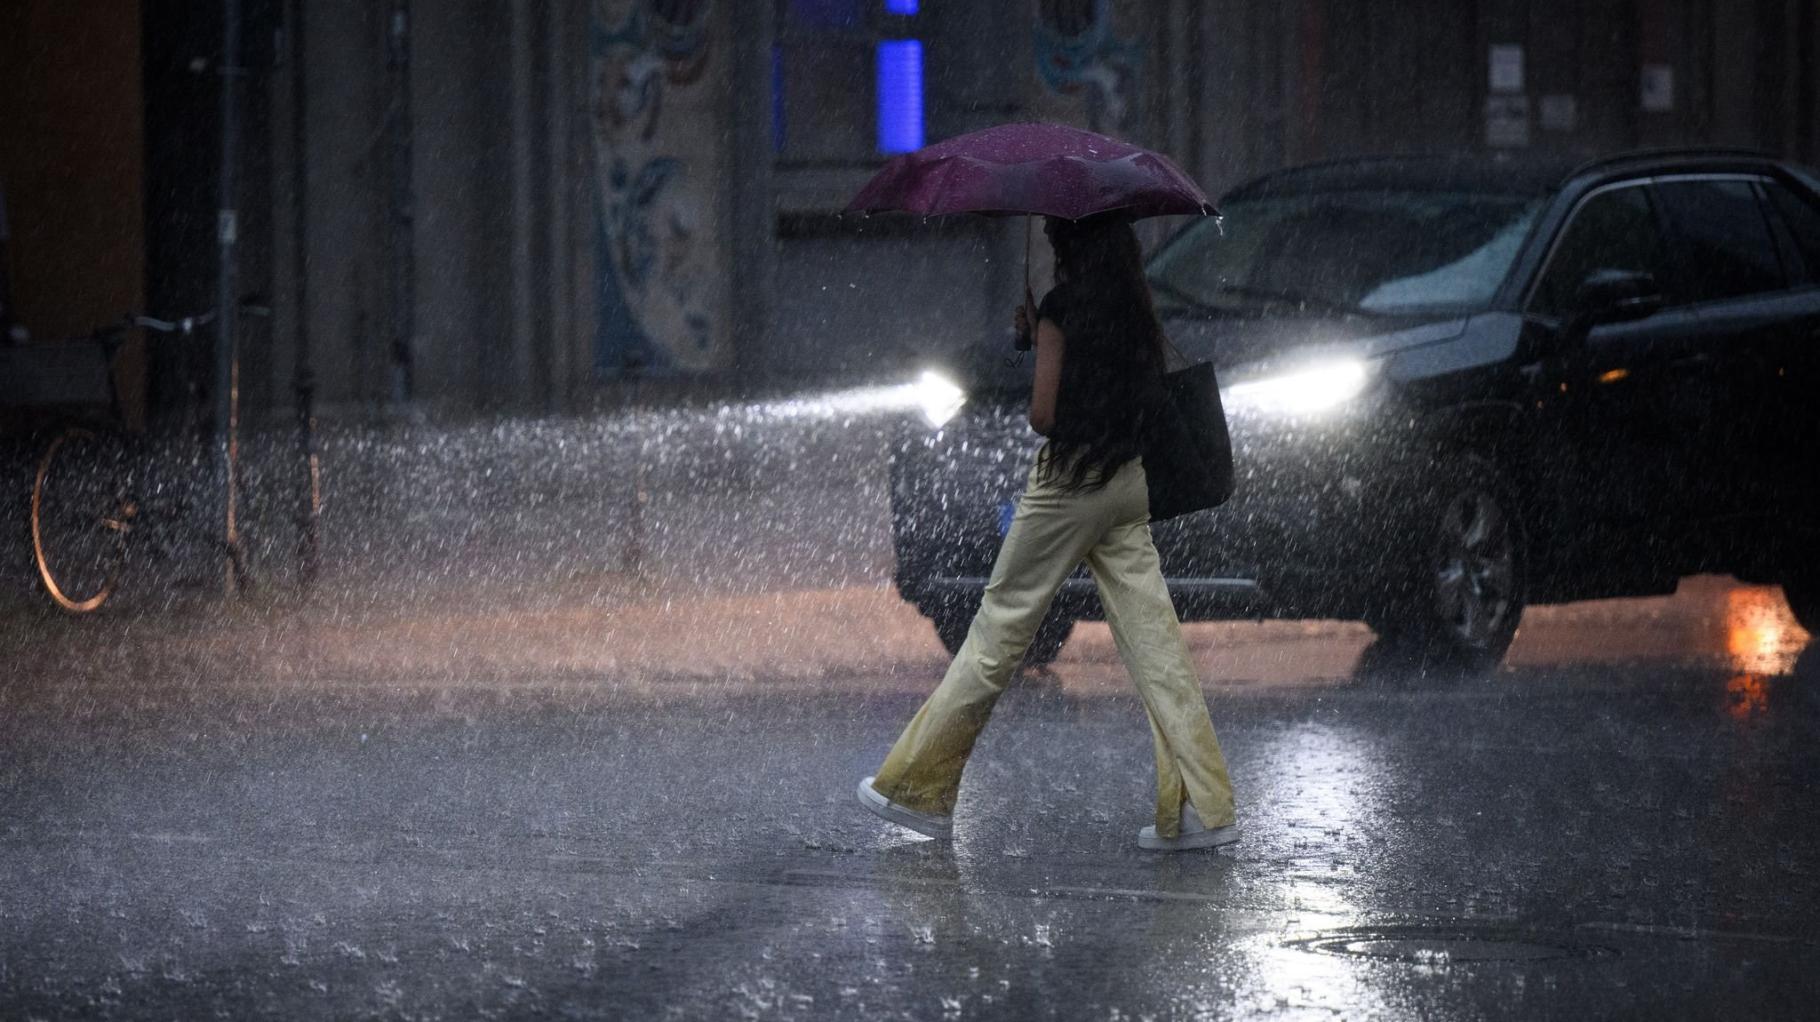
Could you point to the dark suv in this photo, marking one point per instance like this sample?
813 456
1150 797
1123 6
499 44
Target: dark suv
1455 387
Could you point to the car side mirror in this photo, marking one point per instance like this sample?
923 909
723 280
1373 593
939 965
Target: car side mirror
1614 296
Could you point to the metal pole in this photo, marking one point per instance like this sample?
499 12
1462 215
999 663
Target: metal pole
519 386
227 302
403 280
303 377
6 279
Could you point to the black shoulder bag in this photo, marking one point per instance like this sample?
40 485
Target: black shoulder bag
1188 454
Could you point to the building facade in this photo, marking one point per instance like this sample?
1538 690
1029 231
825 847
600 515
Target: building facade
474 204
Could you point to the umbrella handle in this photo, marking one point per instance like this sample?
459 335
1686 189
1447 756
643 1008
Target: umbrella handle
1029 229
1025 340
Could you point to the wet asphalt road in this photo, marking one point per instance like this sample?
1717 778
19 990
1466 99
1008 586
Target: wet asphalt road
642 809
540 748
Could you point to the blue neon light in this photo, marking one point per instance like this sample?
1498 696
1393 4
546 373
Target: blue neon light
905 7
900 95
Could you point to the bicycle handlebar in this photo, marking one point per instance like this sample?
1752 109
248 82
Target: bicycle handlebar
186 326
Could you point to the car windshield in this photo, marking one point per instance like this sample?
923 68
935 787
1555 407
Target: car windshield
1367 253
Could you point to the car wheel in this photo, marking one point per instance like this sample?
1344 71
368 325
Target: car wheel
951 627
1461 590
1804 599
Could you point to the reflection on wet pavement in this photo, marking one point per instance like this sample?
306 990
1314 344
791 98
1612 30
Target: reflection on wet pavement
1760 635
636 802
867 636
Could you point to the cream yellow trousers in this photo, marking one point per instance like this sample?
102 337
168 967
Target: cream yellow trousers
1052 532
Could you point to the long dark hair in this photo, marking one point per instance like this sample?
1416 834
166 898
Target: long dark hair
1113 364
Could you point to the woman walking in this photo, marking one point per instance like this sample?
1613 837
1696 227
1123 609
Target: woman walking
1098 389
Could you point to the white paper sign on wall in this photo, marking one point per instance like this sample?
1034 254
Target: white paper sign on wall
1507 121
1506 67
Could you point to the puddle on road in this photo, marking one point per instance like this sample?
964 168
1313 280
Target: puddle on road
1443 945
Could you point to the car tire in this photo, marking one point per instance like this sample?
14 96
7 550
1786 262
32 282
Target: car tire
1803 597
1051 635
1458 594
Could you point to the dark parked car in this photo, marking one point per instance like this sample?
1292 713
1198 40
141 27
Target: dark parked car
1455 387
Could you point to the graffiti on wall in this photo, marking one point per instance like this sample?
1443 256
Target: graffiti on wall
1080 53
659 100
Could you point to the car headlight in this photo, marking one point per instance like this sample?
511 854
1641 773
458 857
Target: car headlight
1309 390
939 397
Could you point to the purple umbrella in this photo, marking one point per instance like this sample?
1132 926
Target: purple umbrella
1036 169
1041 169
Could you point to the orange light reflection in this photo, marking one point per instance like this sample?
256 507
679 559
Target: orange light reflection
1760 634
1746 696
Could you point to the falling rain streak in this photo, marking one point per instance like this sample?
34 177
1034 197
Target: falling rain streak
550 450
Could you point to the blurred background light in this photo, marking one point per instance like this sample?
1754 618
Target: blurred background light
900 95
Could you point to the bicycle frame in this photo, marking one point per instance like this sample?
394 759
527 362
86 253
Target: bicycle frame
138 507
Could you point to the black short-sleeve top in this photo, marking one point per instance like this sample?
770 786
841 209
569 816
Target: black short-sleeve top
1057 307
1085 411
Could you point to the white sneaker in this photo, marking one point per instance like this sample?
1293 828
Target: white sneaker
927 824
1194 834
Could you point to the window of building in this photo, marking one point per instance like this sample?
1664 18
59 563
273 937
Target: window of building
1072 19
824 14
847 80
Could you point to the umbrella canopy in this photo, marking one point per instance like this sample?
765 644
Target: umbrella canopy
1042 169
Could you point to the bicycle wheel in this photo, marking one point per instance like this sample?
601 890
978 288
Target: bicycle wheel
80 518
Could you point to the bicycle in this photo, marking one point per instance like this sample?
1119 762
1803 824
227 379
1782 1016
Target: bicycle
99 491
